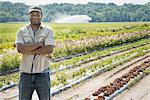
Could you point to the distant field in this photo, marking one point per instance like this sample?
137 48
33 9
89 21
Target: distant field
72 31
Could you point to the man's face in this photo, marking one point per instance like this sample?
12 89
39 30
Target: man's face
35 17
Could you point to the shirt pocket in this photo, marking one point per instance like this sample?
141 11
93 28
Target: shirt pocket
27 39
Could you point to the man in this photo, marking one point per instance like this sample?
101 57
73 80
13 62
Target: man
35 42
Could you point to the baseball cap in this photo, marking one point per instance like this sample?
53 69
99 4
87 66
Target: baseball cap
35 8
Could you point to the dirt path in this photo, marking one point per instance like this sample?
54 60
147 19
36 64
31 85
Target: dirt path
85 89
141 91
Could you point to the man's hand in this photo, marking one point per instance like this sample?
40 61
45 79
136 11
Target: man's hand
40 44
44 50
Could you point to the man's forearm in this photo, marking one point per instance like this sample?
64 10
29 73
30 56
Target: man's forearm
47 49
27 48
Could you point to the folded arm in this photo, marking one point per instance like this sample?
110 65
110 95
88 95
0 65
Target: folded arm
37 48
28 48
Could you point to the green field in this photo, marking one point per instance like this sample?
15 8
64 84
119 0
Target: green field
72 39
75 31
66 32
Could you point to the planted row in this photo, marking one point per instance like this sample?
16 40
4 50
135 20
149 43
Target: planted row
62 77
108 90
89 44
10 59
97 54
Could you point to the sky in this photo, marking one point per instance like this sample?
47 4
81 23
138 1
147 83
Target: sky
43 2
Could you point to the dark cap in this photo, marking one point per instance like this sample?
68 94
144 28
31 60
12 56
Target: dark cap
35 8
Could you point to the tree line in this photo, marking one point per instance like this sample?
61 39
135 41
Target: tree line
99 12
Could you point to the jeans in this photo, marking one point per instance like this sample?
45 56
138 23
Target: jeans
30 82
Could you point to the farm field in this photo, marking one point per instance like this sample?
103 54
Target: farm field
92 61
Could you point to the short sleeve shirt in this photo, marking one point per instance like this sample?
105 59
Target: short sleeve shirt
35 63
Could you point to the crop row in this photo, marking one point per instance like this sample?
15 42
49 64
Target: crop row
109 91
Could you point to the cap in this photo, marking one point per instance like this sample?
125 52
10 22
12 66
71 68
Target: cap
35 8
